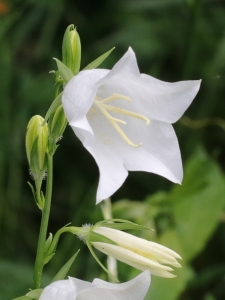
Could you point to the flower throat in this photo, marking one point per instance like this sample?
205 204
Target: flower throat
103 106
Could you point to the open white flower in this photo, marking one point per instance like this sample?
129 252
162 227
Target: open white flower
123 118
75 289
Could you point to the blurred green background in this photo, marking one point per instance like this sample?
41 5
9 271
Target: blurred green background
173 40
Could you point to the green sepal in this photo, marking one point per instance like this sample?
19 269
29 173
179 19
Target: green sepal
57 124
98 261
121 225
33 192
65 269
48 258
64 71
37 164
55 104
40 203
96 237
52 149
71 49
97 62
34 294
48 243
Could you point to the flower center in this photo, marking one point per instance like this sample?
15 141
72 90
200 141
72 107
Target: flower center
102 104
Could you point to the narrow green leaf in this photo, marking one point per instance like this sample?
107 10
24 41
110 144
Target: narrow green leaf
97 62
23 298
33 191
55 104
98 261
65 269
35 294
64 71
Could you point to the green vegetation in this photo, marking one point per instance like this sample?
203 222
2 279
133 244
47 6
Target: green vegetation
174 40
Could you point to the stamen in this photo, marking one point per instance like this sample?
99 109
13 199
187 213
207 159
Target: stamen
115 97
123 135
104 108
127 113
107 115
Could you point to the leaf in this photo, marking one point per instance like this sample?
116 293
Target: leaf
55 104
64 71
35 294
198 203
65 269
23 298
97 62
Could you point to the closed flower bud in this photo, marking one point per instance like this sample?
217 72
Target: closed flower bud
56 124
36 145
134 251
71 49
137 252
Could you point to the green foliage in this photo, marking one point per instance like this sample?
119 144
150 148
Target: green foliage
198 205
65 269
185 218
173 40
98 61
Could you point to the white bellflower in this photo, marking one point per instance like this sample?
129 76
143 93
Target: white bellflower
123 118
75 289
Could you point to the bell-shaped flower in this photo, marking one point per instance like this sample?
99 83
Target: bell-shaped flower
75 289
123 118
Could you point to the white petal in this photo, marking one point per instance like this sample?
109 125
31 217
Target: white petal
156 99
135 289
131 258
112 171
79 93
137 244
127 64
59 290
81 286
169 100
83 131
160 152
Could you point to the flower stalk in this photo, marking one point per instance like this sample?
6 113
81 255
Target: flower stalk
39 262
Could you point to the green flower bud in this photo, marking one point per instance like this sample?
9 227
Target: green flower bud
36 145
71 49
56 124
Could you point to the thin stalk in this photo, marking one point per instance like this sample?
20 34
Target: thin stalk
39 262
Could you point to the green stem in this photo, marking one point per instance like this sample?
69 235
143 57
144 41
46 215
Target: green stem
39 262
71 229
